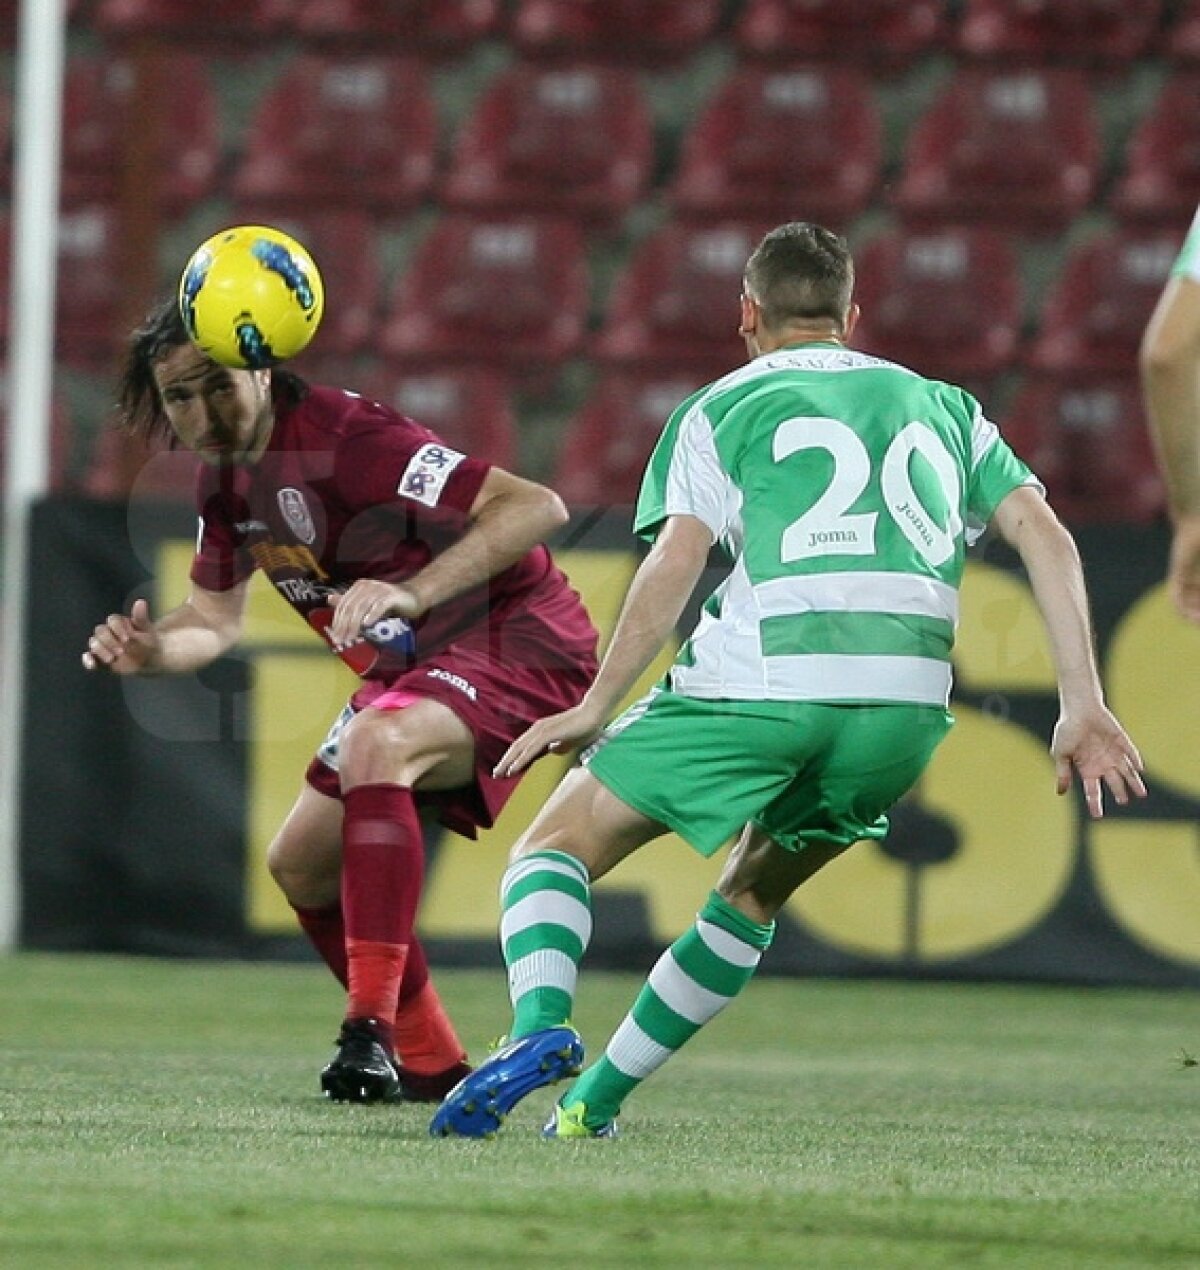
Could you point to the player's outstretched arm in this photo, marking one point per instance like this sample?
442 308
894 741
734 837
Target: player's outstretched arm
1088 739
657 594
1170 371
187 638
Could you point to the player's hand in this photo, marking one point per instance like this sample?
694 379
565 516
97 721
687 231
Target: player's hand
124 645
369 601
557 734
1096 746
1183 576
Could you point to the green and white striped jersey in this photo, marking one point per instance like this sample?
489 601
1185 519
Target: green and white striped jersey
845 489
1187 265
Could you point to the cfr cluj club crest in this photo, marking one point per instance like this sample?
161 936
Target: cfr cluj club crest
296 513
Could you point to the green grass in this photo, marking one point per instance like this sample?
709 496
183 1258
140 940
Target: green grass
165 1114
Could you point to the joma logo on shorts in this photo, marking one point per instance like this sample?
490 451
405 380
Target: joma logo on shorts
455 681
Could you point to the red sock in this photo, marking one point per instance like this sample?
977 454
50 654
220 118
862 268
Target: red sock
383 867
426 1041
425 1038
326 932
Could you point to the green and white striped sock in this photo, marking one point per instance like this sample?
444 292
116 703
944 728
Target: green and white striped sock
696 978
545 925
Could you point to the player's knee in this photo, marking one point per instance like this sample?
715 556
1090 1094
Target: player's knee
305 882
382 746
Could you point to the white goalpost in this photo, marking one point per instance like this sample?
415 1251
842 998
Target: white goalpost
37 145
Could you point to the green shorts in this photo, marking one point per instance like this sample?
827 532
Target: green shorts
803 771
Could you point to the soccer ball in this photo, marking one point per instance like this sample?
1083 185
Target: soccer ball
251 296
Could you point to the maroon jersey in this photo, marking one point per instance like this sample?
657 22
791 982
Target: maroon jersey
350 489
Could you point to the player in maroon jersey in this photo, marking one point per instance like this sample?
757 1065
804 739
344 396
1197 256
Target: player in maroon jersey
423 569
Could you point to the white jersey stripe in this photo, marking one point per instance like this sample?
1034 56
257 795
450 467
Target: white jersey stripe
866 592
857 677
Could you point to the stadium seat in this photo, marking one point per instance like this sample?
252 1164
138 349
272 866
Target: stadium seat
947 302
430 26
575 140
510 292
1097 307
1100 32
675 304
342 242
613 434
469 407
779 144
1090 446
628 30
1019 149
220 21
342 130
90 291
885 32
1160 178
101 97
1182 40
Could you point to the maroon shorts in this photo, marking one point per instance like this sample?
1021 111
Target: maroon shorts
496 697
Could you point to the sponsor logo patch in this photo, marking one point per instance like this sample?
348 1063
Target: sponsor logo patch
427 473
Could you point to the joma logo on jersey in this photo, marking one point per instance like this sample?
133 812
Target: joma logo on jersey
917 521
273 557
455 681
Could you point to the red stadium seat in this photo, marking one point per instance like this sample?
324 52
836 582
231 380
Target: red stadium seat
888 32
614 433
432 26
90 291
1160 182
1019 149
342 241
675 304
1182 41
1105 32
342 130
801 142
577 141
510 292
100 100
946 303
468 407
629 30
1090 446
1097 308
221 21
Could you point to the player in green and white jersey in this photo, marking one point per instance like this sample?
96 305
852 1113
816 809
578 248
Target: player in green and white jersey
813 690
1170 366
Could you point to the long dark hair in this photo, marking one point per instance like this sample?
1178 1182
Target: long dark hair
139 408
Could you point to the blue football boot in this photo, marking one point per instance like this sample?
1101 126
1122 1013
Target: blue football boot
477 1105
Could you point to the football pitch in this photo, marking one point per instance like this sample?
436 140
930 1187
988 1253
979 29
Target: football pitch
166 1114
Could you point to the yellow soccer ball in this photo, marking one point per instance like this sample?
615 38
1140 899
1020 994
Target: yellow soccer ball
251 296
